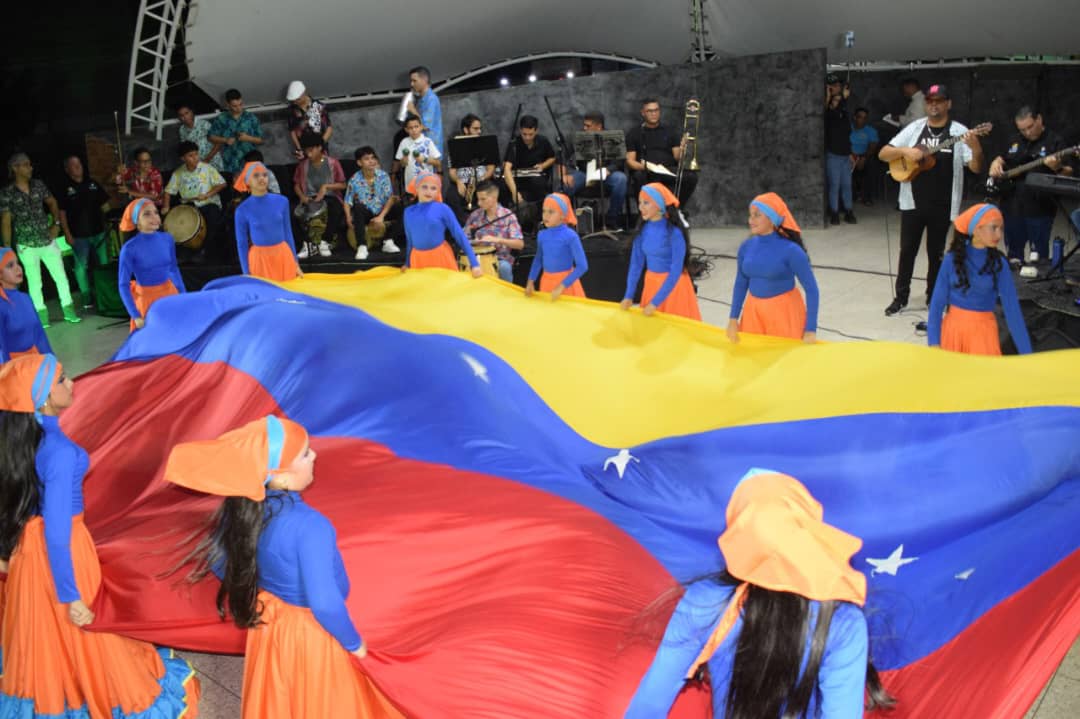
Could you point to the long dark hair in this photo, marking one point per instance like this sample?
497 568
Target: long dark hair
994 261
232 544
20 490
793 235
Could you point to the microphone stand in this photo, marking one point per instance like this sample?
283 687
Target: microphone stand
509 147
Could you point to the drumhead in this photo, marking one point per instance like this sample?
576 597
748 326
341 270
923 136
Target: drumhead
183 223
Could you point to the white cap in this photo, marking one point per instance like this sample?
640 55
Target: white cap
296 89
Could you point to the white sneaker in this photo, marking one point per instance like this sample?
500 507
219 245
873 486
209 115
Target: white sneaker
361 252
388 246
324 249
305 252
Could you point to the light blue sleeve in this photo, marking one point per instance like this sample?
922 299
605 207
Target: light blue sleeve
842 677
694 618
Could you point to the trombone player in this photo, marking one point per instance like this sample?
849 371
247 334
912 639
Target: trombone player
654 153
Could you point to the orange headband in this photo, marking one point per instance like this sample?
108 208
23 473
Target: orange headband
240 462
977 215
659 193
130 220
416 181
3 252
561 204
774 207
25 382
243 179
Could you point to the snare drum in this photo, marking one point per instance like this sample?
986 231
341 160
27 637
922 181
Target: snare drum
485 255
187 226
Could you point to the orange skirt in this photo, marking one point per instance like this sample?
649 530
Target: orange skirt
273 262
51 665
146 296
780 316
32 351
293 668
970 331
441 256
549 280
682 300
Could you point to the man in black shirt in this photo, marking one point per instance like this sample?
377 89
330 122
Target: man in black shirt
658 146
83 202
526 170
1029 214
838 158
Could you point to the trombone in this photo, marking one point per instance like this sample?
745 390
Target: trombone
691 120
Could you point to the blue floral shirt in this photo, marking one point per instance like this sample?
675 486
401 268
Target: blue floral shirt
372 195
225 125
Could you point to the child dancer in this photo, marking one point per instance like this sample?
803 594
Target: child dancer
282 576
426 223
264 238
148 269
971 285
781 630
768 263
52 667
20 327
662 248
558 251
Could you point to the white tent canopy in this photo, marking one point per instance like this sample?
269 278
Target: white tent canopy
342 47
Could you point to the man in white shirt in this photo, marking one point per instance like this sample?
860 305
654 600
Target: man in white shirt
931 200
916 108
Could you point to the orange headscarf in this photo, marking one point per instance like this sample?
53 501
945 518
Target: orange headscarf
3 255
976 215
242 180
26 381
774 207
130 220
561 204
240 462
659 193
420 177
776 538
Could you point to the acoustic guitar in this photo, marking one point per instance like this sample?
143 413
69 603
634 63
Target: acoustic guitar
997 186
904 170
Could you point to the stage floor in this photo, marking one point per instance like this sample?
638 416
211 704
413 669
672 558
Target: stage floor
852 267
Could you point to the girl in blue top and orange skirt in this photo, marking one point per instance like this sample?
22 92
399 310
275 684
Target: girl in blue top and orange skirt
780 631
971 285
426 225
558 251
768 264
661 248
21 331
51 666
264 238
148 269
282 576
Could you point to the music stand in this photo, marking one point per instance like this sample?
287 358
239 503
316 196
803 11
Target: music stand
474 151
602 146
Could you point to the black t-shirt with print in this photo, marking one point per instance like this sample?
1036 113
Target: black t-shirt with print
1023 200
932 189
81 202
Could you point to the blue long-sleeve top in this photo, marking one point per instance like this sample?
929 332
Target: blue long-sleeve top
980 297
559 249
767 267
149 257
425 225
20 327
299 563
659 247
61 465
841 677
263 221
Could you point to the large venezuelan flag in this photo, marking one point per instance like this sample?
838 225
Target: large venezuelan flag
514 481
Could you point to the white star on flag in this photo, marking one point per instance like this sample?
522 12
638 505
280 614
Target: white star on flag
890 564
620 461
964 574
478 369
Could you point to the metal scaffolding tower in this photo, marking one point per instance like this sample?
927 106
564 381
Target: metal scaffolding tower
700 47
151 59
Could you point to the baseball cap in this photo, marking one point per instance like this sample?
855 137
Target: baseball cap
937 91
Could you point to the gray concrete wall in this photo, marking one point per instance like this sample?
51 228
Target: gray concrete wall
760 129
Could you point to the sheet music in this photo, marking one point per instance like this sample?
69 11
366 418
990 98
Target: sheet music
658 169
592 174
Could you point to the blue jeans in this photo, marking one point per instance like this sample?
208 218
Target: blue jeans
1020 231
838 175
614 188
82 246
506 271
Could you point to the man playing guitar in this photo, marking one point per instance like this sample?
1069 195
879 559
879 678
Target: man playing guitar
1029 214
931 200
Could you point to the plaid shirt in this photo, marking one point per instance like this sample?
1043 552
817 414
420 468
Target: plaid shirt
505 226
